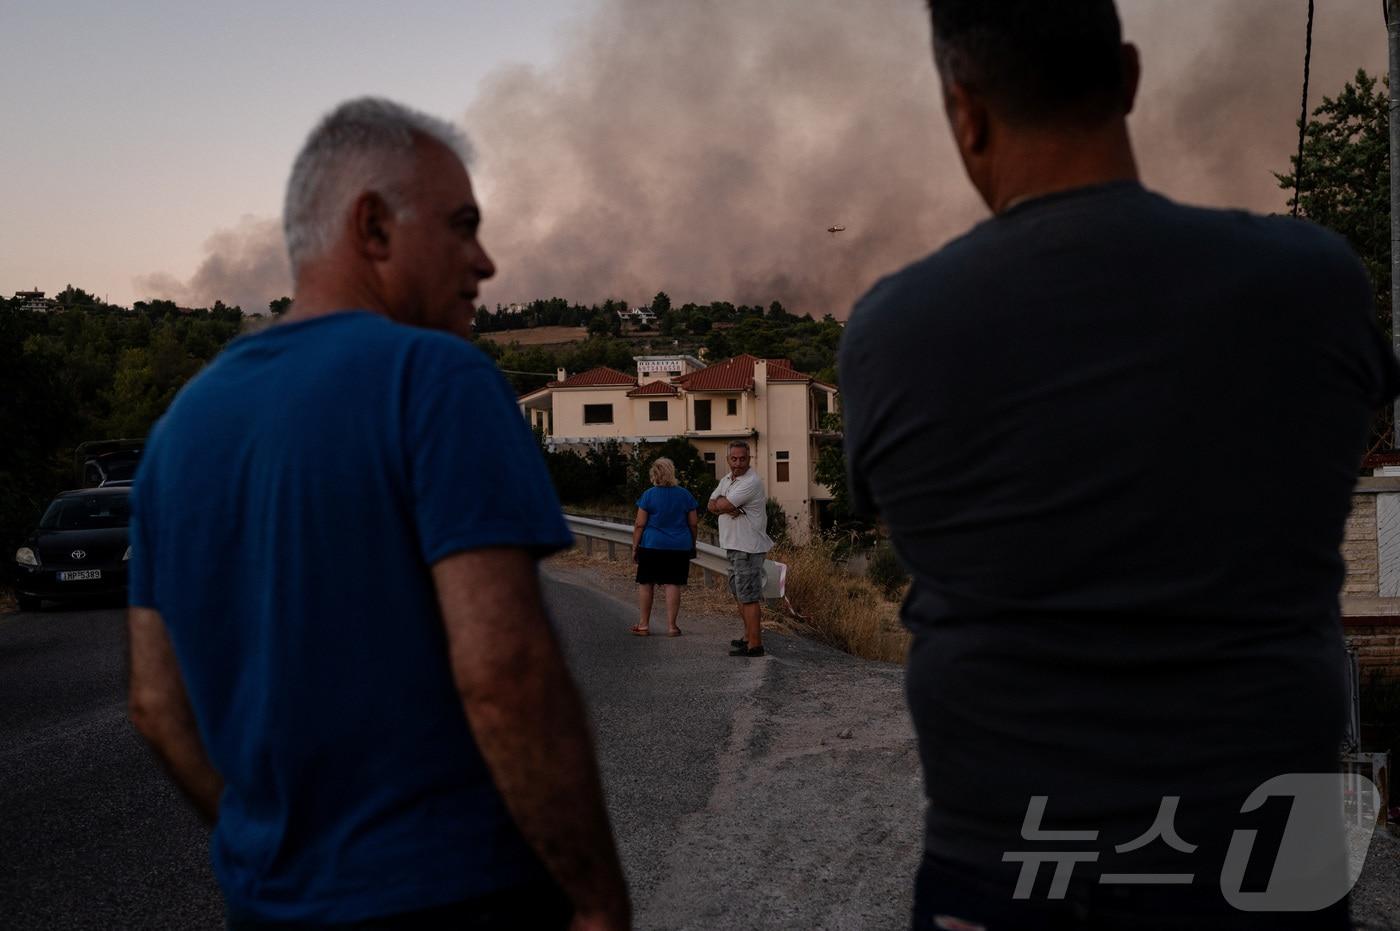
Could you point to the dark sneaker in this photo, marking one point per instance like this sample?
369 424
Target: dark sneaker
741 642
746 650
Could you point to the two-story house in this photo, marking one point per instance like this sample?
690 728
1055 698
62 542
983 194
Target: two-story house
35 301
776 408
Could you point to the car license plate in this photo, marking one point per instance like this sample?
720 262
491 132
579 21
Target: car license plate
80 575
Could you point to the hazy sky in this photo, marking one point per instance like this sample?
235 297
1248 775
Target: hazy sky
134 130
701 146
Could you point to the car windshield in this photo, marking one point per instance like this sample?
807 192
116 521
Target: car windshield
120 470
87 512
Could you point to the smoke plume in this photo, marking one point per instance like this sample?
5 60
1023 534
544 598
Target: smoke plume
245 266
704 148
1218 110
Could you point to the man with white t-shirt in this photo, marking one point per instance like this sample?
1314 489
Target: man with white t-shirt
742 506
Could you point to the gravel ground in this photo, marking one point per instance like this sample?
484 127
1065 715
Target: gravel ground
824 735
1375 899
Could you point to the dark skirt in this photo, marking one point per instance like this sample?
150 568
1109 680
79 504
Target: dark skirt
662 567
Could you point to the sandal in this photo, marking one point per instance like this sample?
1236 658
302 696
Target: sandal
673 632
640 631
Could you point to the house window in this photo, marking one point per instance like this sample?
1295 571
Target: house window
782 469
656 410
731 406
710 458
597 413
702 415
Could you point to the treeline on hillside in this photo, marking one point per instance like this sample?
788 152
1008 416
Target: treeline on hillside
88 371
603 318
720 329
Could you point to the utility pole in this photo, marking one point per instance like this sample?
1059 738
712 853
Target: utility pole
1392 10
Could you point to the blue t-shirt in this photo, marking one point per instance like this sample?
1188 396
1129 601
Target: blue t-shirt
667 527
287 512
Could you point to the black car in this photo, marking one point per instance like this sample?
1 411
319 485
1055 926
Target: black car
111 469
80 548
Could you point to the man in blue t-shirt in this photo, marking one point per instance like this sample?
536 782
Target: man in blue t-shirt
338 646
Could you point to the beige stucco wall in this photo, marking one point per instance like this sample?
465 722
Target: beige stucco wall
782 414
720 450
722 423
568 413
641 416
788 417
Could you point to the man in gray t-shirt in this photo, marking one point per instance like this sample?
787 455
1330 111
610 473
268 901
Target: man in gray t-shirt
742 508
1114 440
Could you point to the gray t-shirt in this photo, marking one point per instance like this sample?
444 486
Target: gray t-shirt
1114 440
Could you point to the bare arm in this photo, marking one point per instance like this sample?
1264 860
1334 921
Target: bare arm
161 711
721 505
529 724
637 527
692 518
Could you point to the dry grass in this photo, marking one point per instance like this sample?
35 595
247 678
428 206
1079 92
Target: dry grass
847 611
538 336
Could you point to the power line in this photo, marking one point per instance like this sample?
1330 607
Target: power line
1303 120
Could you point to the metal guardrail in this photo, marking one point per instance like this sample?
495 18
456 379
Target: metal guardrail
712 560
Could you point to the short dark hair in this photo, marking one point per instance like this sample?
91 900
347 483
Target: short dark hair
1036 61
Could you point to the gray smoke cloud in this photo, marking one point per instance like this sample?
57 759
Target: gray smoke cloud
1222 86
703 148
245 266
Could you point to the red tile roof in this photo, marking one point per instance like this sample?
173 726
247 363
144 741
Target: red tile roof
736 374
602 376
784 372
654 388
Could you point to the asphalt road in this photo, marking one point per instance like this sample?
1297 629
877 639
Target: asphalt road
773 793
92 836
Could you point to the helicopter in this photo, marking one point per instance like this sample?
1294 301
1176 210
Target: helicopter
833 230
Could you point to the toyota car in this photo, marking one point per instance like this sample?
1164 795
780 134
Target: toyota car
80 548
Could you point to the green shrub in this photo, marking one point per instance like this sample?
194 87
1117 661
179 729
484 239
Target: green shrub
886 571
777 522
693 473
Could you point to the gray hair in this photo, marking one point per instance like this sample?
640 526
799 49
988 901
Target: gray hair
362 145
739 444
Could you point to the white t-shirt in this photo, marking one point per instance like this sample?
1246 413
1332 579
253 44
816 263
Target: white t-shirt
746 532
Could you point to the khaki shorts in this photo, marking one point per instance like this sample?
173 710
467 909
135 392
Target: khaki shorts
746 575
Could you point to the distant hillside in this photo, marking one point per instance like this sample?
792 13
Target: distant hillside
539 336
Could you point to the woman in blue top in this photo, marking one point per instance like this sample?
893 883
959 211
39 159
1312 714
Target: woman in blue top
663 543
